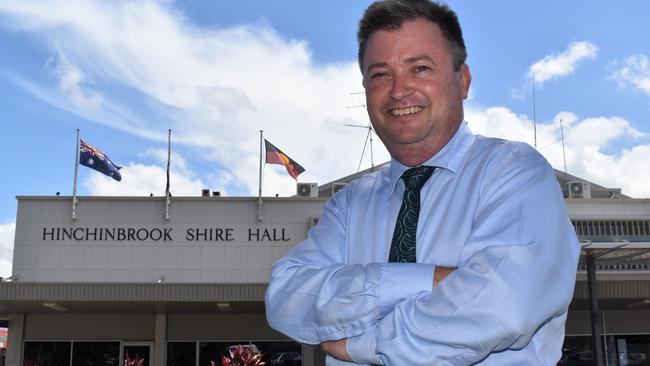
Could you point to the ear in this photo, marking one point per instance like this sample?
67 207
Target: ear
465 80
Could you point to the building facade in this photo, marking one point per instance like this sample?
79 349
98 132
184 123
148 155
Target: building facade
123 282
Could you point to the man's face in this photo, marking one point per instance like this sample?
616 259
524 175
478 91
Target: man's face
413 95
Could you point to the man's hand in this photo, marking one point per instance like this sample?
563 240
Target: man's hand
440 273
336 349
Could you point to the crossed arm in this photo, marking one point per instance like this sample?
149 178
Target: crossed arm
338 348
496 297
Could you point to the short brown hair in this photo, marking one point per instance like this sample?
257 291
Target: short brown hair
391 14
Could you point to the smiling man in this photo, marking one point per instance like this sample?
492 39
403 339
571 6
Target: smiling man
458 253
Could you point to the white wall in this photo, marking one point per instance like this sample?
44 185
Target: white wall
242 253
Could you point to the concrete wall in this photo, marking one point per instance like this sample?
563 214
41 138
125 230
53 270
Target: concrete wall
220 327
89 327
241 249
614 322
608 208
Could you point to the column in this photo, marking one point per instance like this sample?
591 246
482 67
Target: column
15 340
160 338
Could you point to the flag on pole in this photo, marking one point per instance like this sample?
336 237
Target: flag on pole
168 194
95 159
169 158
275 156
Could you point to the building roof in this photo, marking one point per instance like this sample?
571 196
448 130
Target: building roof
597 191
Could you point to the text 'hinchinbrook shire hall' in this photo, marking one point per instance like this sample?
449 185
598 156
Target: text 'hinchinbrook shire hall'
123 280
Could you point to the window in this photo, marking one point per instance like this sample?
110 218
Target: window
181 353
47 354
618 350
95 354
273 353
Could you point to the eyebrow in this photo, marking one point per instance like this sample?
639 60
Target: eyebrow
414 59
409 60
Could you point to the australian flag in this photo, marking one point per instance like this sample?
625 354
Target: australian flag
95 159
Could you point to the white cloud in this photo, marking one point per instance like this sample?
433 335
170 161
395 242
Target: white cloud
7 234
216 88
586 145
561 64
142 180
633 72
177 161
71 84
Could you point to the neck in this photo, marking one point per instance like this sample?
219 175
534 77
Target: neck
416 154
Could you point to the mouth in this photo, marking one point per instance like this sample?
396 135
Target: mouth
405 111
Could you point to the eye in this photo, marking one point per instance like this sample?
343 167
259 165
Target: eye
422 68
379 75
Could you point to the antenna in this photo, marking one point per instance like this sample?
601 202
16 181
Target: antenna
356 106
566 172
368 137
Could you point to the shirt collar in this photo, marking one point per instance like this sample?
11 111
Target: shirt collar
449 157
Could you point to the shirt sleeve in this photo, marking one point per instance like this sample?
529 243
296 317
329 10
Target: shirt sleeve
517 272
315 296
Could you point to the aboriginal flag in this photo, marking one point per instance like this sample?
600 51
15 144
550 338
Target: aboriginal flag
275 156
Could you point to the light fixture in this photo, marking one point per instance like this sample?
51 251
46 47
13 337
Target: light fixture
224 306
55 306
161 279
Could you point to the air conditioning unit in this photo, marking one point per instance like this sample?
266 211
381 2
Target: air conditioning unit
337 187
313 221
579 189
307 190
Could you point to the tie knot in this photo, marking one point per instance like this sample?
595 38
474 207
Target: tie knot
415 178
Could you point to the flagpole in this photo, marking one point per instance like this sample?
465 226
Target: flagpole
169 154
259 195
74 187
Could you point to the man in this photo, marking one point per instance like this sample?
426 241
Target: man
458 253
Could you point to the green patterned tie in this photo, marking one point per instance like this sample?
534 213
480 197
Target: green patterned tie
402 247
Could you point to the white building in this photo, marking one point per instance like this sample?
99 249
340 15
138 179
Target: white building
121 278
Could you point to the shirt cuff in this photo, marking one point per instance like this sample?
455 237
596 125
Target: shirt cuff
402 280
361 349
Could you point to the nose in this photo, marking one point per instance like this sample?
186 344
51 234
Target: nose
401 87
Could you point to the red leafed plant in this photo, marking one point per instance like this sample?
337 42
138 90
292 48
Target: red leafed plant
241 356
136 361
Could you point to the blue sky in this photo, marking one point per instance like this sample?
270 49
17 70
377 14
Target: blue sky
216 72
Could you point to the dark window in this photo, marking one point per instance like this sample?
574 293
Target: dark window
95 354
621 350
181 354
273 353
633 349
46 354
281 353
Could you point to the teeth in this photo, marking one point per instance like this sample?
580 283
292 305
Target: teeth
405 111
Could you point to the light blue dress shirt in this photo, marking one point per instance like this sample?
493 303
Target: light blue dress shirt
493 209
